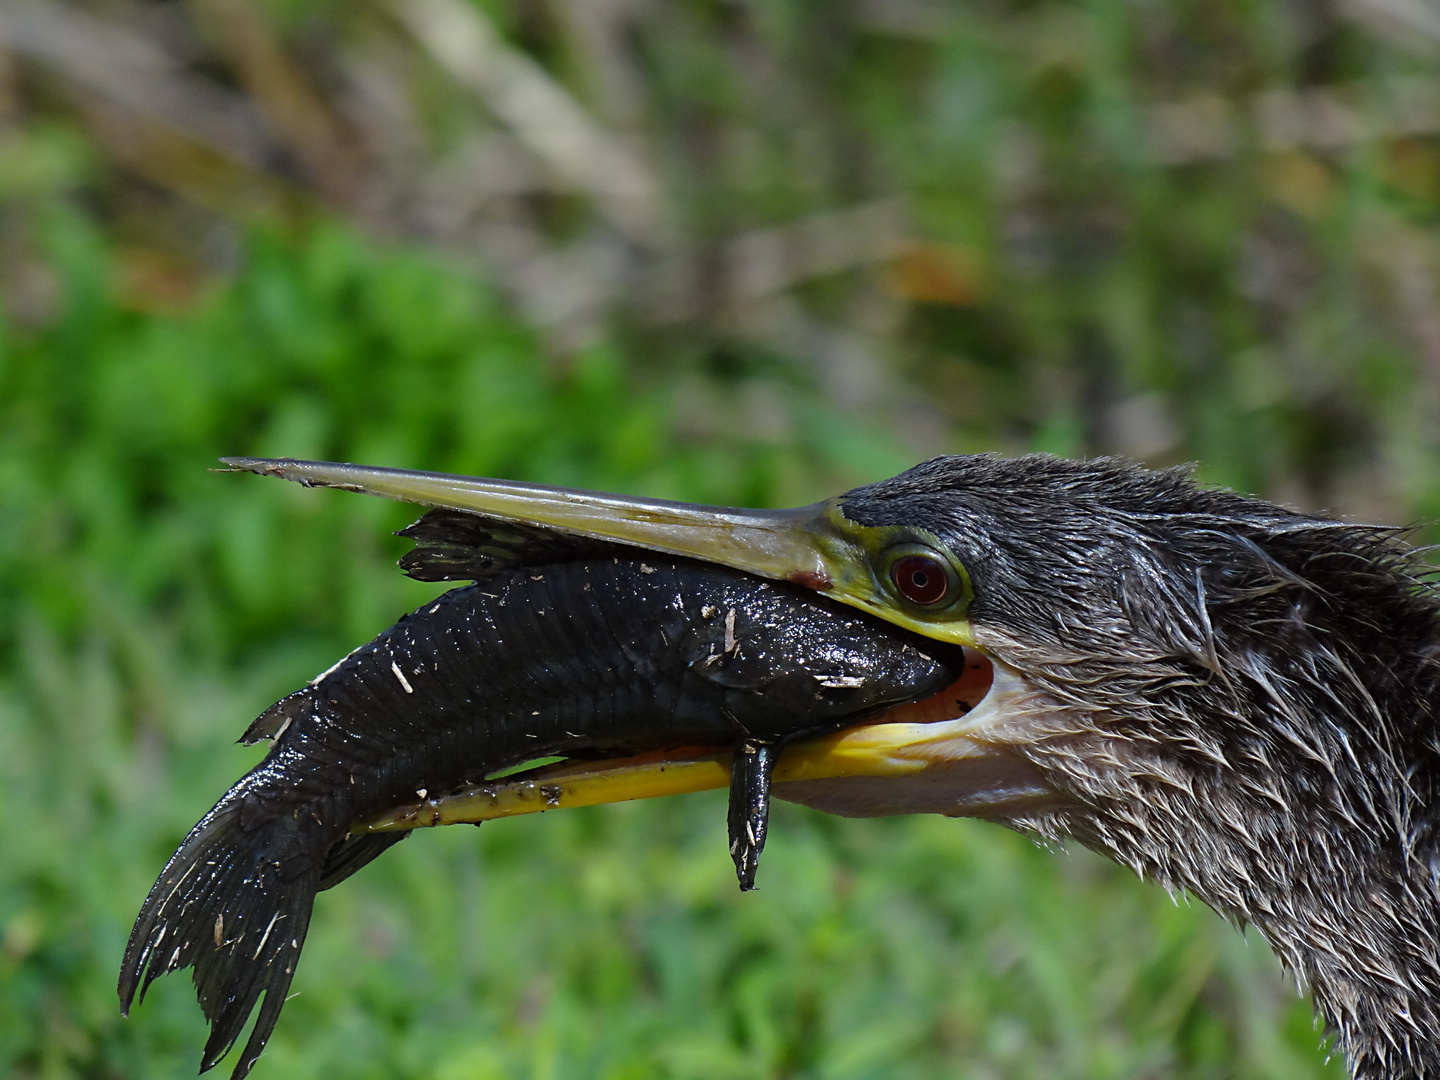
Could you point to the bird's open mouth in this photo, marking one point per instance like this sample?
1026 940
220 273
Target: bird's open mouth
943 754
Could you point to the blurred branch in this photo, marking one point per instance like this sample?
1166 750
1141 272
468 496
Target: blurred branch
1412 261
925 20
541 114
488 165
1408 23
1210 127
134 73
767 261
191 168
596 30
293 110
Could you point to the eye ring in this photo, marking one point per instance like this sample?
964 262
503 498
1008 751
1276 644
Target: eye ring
922 577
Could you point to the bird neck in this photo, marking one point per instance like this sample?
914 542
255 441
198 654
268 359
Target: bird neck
1368 950
1352 912
1335 861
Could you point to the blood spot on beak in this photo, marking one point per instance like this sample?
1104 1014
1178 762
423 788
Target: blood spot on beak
811 579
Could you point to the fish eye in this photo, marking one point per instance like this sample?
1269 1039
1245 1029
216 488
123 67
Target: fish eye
923 578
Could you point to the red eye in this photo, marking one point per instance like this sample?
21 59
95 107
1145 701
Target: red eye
920 579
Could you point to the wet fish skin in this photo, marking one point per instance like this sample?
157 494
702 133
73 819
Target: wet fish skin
748 819
604 657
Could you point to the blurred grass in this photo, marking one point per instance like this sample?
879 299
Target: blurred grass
864 233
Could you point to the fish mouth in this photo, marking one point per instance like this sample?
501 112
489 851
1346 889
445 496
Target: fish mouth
953 753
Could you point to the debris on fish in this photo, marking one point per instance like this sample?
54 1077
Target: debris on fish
749 818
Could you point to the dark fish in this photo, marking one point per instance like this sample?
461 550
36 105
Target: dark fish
601 657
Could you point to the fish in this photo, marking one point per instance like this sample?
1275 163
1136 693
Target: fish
590 655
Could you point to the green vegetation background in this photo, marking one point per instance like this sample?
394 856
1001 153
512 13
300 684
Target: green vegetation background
1266 308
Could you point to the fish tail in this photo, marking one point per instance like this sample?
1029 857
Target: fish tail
234 903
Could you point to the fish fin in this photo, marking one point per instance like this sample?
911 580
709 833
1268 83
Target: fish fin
452 545
273 720
749 815
234 903
352 853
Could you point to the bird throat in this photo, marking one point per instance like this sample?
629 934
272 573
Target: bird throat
1345 894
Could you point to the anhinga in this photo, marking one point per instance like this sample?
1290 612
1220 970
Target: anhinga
1230 697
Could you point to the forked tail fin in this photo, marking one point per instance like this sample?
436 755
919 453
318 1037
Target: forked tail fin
234 903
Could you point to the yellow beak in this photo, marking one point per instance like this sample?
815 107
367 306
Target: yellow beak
814 546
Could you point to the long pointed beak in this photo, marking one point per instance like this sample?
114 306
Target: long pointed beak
813 546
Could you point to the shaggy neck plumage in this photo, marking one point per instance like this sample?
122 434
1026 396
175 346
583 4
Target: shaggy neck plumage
1238 700
1276 756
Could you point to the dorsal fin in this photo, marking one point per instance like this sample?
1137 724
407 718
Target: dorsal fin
452 545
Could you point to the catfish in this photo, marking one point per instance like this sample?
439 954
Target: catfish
581 657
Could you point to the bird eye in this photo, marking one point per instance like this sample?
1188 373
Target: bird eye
921 579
